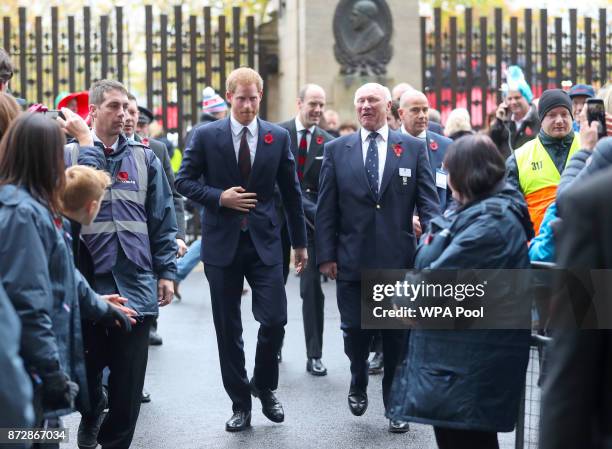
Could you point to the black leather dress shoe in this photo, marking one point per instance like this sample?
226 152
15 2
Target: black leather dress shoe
240 420
358 402
398 426
270 406
154 338
316 367
146 396
376 364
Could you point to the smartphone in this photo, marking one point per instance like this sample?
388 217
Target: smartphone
596 112
52 113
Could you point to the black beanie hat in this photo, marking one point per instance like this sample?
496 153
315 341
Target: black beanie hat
553 98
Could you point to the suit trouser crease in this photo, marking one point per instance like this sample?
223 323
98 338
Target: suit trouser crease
357 341
313 303
269 306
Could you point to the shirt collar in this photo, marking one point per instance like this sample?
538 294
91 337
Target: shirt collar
383 132
422 136
114 146
299 127
237 126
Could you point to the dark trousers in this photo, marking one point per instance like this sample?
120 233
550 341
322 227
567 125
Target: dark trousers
465 439
269 309
313 303
286 245
376 343
126 357
357 341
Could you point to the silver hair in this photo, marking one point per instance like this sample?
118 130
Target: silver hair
383 89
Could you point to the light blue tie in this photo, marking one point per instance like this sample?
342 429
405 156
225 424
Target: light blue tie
371 164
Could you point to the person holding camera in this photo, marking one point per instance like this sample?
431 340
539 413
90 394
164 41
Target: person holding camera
516 118
595 148
37 269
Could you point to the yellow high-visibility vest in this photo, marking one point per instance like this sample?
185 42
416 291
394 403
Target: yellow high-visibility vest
539 177
176 160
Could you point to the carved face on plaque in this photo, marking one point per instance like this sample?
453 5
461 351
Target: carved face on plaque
363 29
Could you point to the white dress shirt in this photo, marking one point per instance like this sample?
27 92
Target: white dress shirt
251 136
97 139
299 128
422 136
381 143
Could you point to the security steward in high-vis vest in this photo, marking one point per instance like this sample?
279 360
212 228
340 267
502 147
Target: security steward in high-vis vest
535 168
133 250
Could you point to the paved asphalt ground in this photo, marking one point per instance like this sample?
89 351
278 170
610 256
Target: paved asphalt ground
189 405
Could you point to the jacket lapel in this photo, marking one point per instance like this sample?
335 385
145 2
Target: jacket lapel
315 150
356 161
294 141
259 162
226 146
391 161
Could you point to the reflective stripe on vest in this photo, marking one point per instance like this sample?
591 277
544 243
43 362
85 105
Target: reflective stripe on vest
539 177
113 226
122 219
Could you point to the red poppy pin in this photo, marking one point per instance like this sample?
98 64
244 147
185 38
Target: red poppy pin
58 222
268 138
398 150
320 140
145 141
528 131
433 145
122 175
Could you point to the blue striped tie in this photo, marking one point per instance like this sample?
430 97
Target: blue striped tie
371 164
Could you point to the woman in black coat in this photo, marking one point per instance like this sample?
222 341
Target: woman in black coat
468 383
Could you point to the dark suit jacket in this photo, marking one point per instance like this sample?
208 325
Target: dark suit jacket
436 149
211 154
358 230
435 127
312 168
577 393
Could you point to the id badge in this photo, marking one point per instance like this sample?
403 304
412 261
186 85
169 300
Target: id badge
440 179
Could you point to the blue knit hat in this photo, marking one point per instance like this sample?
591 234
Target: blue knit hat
515 81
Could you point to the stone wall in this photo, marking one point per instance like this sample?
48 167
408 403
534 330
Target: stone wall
306 53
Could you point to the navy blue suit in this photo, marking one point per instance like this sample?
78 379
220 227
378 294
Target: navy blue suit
436 149
231 254
359 230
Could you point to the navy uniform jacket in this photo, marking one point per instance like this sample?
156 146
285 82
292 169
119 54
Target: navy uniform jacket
312 167
211 154
436 149
137 284
358 230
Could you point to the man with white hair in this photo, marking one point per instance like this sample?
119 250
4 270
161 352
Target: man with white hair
370 183
399 90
